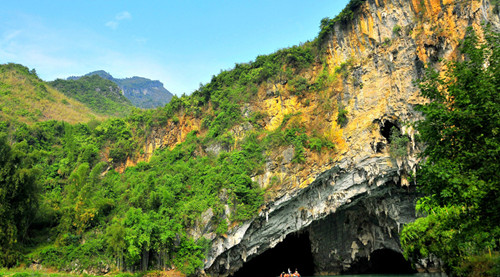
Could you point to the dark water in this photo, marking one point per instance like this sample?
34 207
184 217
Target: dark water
387 275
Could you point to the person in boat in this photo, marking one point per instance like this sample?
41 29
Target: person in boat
282 274
296 273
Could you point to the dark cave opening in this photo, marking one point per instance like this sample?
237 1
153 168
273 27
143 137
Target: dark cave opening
387 261
294 252
385 130
382 261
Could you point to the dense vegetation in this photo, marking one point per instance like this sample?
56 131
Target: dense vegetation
78 212
100 95
460 176
17 200
88 216
126 216
345 16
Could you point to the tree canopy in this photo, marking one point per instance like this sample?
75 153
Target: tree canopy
17 201
460 174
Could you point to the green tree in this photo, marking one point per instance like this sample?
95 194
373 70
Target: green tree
17 202
460 176
115 239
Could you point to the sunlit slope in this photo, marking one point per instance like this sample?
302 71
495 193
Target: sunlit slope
26 98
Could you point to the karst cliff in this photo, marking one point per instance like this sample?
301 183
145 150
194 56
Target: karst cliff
344 213
306 158
340 211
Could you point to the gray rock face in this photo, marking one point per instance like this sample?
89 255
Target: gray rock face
368 204
144 93
347 240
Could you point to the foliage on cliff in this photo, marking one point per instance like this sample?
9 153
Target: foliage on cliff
460 177
93 215
345 16
100 95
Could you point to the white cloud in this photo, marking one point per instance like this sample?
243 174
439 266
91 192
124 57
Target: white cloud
62 52
123 15
140 40
10 35
113 24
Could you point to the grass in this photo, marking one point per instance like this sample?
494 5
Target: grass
26 98
27 272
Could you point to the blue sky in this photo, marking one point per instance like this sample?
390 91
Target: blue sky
181 43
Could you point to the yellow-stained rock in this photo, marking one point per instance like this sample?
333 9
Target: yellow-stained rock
372 63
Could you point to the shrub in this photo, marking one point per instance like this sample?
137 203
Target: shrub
299 86
396 30
343 68
342 116
399 143
485 265
21 274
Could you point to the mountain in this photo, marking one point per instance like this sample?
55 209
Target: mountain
305 157
26 98
142 92
101 95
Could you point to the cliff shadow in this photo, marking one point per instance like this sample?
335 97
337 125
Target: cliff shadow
294 252
382 261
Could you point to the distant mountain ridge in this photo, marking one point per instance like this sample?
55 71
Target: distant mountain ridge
101 95
142 92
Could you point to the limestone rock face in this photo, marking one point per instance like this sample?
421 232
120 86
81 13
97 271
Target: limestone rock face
346 204
351 209
354 205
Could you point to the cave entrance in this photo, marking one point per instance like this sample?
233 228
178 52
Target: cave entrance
383 261
386 130
387 261
294 252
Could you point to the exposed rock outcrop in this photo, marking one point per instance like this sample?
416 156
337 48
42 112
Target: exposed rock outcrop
352 207
348 204
367 201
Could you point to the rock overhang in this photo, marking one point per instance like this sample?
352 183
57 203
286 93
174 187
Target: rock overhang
372 183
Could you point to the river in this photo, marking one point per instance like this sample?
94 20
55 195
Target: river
390 275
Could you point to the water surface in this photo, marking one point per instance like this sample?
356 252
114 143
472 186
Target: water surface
390 275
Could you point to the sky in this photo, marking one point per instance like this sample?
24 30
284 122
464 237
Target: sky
181 43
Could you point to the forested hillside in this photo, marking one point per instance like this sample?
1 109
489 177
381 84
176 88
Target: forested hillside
154 188
100 95
143 218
